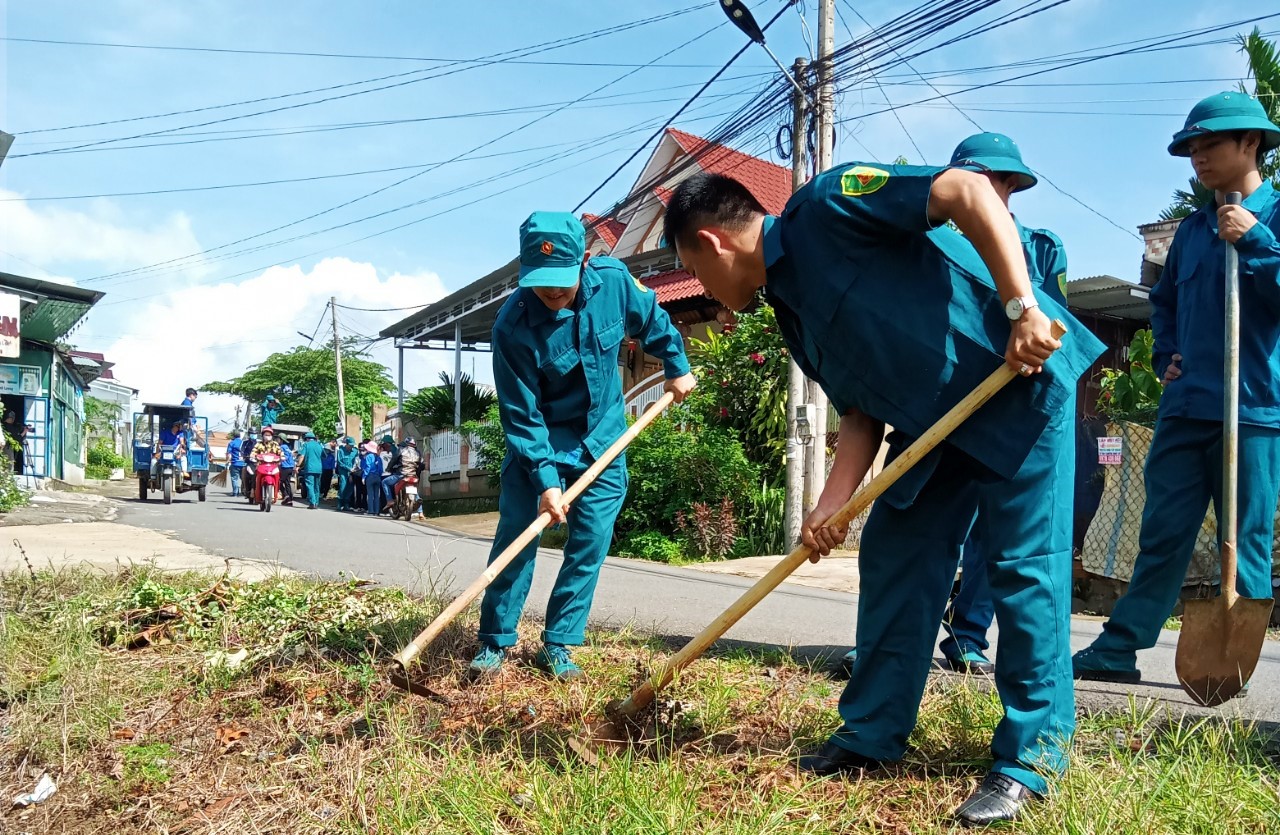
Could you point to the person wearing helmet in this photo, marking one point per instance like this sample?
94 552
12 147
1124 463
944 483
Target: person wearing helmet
404 465
970 612
555 357
346 459
898 317
1226 137
310 461
268 444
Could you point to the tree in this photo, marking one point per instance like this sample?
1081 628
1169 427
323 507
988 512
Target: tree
434 407
1264 67
304 381
100 416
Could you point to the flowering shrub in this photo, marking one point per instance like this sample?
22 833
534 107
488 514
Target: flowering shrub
742 385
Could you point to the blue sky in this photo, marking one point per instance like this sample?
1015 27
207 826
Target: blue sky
1098 131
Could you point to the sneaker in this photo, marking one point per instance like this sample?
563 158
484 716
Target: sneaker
1117 666
488 660
846 661
554 658
970 661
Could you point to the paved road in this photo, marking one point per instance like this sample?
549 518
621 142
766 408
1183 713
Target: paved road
647 596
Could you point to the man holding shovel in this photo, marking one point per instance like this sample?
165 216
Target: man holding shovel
555 368
1226 137
898 318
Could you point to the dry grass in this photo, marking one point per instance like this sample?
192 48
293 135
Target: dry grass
307 736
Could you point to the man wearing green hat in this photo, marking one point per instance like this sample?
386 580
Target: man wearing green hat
555 367
1226 137
971 611
346 459
312 465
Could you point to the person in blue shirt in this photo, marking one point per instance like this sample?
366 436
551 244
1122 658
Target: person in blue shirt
971 611
346 459
312 463
175 436
555 368
288 466
235 463
246 453
371 472
190 400
898 317
1226 137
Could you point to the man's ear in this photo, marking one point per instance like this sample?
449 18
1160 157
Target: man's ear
712 238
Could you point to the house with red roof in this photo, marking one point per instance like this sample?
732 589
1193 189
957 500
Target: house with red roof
463 319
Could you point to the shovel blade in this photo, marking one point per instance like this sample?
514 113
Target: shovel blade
1219 645
599 738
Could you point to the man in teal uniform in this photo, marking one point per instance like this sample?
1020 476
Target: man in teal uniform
1226 136
555 367
898 318
312 463
969 615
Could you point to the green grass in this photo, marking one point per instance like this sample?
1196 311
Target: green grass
304 735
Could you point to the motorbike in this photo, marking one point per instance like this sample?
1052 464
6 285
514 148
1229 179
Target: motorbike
267 480
246 482
405 498
167 469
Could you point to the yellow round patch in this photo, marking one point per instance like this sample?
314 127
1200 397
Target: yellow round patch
861 180
640 285
1062 283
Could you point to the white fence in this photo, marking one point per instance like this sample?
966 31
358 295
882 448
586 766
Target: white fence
644 394
446 451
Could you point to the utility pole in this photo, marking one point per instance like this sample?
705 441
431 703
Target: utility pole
817 462
337 360
794 515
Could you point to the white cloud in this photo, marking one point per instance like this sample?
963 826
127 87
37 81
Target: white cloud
198 331
55 238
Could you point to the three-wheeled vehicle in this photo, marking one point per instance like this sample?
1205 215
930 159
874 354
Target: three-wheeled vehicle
165 461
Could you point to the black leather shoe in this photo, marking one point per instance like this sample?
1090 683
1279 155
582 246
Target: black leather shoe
999 798
832 759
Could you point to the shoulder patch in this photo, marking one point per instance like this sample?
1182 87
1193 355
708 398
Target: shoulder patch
640 285
861 180
1062 283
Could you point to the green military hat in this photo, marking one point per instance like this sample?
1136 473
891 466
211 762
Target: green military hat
996 153
1225 111
552 245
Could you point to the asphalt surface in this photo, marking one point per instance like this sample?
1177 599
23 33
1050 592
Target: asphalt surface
645 596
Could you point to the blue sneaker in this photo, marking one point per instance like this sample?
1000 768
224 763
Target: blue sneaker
846 661
1116 666
488 660
554 658
970 660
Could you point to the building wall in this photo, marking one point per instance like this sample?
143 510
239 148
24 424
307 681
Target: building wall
67 419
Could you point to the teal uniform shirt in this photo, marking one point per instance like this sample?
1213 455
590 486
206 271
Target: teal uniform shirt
849 262
1046 261
312 453
556 372
1188 309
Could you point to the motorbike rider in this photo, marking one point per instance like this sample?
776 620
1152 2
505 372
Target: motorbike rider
246 451
267 445
175 437
405 465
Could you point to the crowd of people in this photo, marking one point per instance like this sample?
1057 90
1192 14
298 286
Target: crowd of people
362 476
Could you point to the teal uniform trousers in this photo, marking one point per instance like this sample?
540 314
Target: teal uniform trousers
591 520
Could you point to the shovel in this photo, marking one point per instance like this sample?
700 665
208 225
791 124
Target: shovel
399 675
623 719
1222 636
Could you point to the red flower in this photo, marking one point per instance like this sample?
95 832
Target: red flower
724 384
757 359
724 413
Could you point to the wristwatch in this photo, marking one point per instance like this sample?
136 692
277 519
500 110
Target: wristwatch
1018 305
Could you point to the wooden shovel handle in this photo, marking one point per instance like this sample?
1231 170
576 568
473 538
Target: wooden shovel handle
1228 525
462 601
859 502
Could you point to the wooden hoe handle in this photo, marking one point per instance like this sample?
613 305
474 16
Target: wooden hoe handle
859 502
462 601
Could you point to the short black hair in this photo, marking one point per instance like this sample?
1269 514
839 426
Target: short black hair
192 391
1240 135
707 200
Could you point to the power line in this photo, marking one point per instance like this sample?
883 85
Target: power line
405 179
488 60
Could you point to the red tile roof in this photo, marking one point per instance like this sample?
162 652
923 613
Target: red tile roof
608 229
673 286
95 357
663 193
771 184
